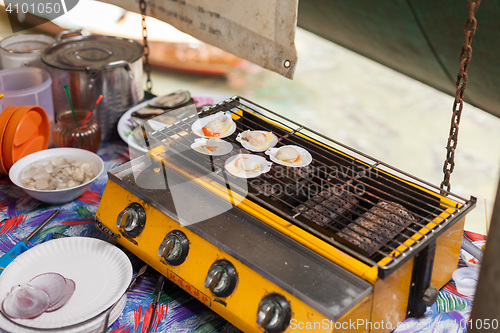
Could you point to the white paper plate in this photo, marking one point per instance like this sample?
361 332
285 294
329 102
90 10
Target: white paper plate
250 147
100 270
202 122
265 166
223 147
125 126
305 156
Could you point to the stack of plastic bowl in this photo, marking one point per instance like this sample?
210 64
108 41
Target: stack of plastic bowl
23 130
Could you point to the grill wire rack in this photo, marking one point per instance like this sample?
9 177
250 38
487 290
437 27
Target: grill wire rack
375 212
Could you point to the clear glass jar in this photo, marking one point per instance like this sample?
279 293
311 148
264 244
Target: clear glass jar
83 133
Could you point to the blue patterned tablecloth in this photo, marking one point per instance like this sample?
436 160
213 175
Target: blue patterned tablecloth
177 311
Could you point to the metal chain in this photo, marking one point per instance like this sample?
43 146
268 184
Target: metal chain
458 103
147 65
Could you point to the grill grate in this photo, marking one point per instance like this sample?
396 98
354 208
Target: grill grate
344 197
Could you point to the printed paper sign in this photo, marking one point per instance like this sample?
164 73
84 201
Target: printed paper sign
261 31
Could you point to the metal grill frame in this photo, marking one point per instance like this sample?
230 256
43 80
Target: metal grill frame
396 252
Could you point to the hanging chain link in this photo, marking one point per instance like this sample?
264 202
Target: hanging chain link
458 103
147 65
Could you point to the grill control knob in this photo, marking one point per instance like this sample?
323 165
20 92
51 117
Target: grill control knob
221 278
132 219
274 313
174 248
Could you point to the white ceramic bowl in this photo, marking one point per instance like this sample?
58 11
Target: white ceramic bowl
56 196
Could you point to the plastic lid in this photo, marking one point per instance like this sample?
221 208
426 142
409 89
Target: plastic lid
5 116
27 132
91 52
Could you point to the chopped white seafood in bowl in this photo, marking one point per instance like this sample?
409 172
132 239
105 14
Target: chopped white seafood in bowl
212 146
257 140
247 165
292 156
57 175
219 125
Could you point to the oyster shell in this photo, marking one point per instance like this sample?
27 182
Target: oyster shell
219 125
25 302
173 100
292 156
247 165
147 112
257 141
212 146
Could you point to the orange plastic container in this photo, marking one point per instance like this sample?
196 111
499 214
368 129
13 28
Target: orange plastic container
26 130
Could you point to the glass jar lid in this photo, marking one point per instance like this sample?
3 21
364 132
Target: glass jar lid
91 52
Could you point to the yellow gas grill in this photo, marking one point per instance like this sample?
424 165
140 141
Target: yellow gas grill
347 243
